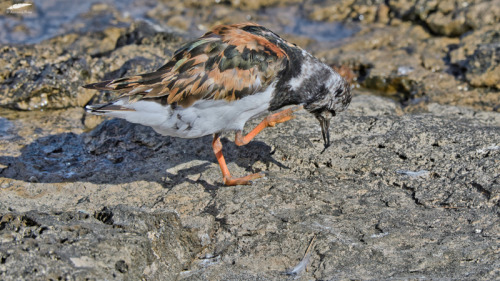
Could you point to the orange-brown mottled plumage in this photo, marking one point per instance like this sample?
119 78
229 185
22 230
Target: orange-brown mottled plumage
206 68
243 39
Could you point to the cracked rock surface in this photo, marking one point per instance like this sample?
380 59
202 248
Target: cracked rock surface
395 196
409 189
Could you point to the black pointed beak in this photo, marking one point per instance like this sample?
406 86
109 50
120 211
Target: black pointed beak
324 121
325 130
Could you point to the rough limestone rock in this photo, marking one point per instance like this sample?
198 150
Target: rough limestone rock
49 75
448 17
395 196
407 63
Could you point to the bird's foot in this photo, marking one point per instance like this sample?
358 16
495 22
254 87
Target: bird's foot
246 180
282 116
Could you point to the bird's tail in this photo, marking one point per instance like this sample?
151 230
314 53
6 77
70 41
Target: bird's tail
104 108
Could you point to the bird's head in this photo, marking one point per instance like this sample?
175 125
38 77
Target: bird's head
332 95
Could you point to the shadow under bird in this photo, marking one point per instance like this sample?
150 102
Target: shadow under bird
219 81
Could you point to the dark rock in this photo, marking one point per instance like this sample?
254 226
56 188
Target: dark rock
105 215
49 75
477 55
406 63
121 266
144 32
483 66
368 11
450 17
29 81
81 251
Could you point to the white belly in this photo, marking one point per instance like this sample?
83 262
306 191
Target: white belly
202 118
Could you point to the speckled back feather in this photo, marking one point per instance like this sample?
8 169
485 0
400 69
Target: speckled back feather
229 62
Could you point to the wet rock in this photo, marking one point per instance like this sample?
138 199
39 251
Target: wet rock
32 78
408 64
357 10
400 195
148 33
483 67
49 75
388 59
94 44
254 5
447 19
483 13
450 17
469 43
477 56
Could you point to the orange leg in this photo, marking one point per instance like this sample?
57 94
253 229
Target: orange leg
226 176
269 121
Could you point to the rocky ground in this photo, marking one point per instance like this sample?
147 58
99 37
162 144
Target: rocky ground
409 189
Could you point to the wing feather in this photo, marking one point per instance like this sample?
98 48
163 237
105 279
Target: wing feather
229 62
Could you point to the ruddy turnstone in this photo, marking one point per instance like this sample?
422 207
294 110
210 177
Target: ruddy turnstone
219 81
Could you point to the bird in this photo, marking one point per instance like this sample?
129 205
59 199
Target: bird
217 82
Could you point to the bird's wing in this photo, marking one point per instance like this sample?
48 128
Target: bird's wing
229 62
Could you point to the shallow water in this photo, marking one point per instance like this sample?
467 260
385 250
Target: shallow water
50 18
